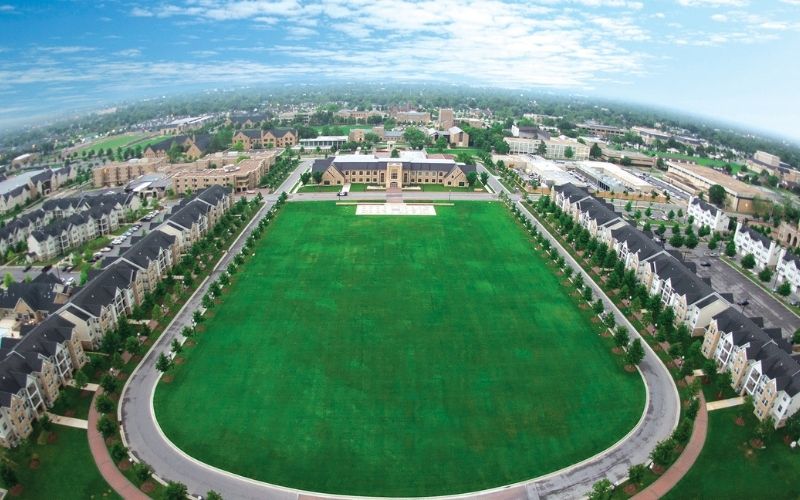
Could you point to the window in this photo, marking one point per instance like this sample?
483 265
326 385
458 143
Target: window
394 176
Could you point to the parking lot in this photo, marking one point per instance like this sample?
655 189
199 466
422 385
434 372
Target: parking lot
749 298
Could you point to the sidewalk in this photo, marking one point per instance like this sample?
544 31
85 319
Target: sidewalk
108 469
724 403
68 421
674 474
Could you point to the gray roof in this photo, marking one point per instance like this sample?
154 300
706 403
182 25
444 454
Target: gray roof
705 206
602 213
572 192
637 242
765 240
684 282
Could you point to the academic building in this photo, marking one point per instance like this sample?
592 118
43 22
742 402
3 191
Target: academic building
412 167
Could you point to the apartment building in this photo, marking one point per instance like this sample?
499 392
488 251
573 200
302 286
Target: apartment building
651 135
788 269
706 214
759 361
412 167
17 190
121 173
272 138
192 146
750 241
635 248
94 216
225 170
30 303
691 298
32 371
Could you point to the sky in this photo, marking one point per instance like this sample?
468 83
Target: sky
731 60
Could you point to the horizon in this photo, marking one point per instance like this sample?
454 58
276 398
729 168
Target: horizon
706 59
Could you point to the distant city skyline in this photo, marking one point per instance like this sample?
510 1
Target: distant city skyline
732 61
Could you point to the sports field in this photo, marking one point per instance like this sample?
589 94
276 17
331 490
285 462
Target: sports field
397 356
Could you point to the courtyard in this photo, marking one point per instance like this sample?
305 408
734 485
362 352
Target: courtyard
397 356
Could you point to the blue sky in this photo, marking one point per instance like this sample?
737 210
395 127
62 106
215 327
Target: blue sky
735 60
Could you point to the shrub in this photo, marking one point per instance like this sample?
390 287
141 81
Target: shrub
106 426
141 471
104 404
118 452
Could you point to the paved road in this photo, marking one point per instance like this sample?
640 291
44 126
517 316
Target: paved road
147 442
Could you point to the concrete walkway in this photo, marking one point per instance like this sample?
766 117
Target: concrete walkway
67 421
724 403
674 474
87 387
108 469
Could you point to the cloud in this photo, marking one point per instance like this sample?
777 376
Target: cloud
714 3
128 53
7 8
69 49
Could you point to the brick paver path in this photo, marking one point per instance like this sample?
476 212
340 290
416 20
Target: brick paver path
105 464
685 462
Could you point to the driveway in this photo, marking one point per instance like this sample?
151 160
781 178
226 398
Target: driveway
147 442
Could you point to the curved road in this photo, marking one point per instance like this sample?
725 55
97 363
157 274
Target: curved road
147 442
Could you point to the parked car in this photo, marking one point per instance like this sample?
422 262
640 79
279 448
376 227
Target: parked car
705 264
106 249
69 281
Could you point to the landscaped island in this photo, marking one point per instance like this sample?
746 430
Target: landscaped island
397 356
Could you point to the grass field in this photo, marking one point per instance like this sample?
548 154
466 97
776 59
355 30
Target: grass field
331 189
73 400
397 356
729 468
66 471
115 142
472 151
706 162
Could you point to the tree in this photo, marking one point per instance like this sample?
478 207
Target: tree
597 306
108 383
662 454
103 404
176 346
749 261
142 471
118 452
472 178
676 240
765 275
213 495
164 363
175 491
8 475
601 490
595 151
784 289
635 353
133 346
730 249
587 294
305 177
671 214
621 336
81 379
84 276
796 336
414 137
636 473
8 279
628 206
691 240
716 195
484 178
317 177
395 153
569 152
541 149
106 426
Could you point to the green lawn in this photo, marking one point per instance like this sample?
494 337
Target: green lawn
66 471
442 188
331 189
114 142
74 401
729 468
397 356
706 162
472 151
